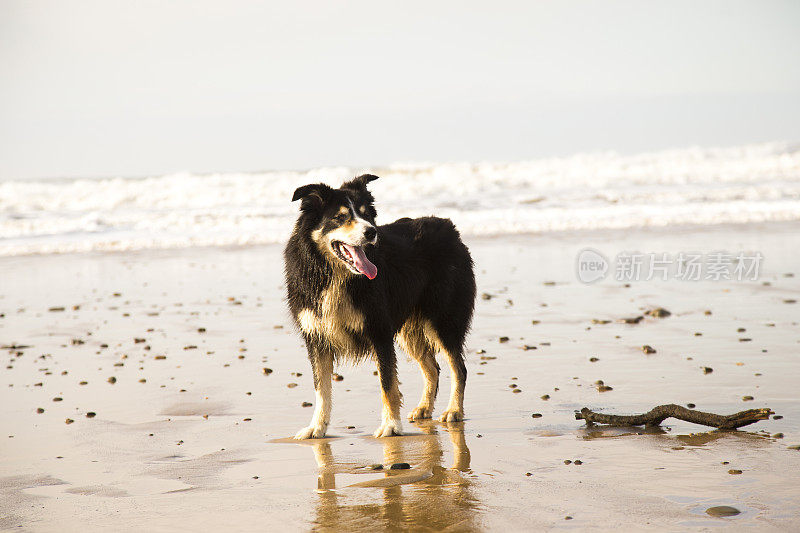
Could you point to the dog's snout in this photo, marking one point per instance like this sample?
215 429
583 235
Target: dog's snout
370 233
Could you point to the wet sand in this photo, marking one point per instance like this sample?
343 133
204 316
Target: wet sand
192 433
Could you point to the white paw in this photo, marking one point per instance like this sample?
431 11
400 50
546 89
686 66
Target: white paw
420 413
312 432
452 415
389 428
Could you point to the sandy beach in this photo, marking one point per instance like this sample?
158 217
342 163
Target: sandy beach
157 391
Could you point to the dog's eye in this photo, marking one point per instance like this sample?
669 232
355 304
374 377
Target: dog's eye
341 217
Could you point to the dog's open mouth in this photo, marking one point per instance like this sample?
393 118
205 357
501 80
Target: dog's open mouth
355 259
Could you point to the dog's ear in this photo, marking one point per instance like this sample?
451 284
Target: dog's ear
312 195
359 182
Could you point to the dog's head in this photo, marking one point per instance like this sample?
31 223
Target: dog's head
341 222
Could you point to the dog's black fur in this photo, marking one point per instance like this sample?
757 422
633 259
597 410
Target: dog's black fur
423 293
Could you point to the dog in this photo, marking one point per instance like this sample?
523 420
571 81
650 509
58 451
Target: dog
354 287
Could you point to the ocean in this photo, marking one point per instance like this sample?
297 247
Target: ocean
705 186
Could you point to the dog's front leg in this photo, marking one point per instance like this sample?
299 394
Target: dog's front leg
322 368
390 392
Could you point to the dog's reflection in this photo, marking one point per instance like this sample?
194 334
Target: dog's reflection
428 496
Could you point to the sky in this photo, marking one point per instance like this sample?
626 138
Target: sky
121 88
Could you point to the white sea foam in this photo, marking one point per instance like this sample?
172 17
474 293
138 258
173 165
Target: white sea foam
753 183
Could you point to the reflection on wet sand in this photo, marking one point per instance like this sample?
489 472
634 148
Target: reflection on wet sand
663 436
428 496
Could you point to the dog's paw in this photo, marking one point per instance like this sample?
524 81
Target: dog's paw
420 413
389 428
452 415
311 432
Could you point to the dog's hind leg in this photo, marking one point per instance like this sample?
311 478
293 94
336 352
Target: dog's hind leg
458 382
322 368
390 392
412 339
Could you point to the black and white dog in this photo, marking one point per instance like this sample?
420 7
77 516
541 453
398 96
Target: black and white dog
354 287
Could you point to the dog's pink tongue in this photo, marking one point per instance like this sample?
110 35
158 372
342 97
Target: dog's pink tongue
361 262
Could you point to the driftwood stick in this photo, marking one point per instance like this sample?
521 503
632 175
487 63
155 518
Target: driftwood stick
658 414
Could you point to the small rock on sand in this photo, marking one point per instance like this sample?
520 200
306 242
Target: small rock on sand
291 385
536 415
658 312
648 349
400 466
722 510
747 398
707 370
734 472
307 404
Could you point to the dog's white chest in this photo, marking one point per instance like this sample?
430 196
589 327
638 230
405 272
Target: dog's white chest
335 319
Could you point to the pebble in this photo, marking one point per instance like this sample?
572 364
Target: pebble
40 410
292 385
69 421
594 359
307 404
536 415
747 398
658 312
545 396
58 399
707 370
777 436
400 466
503 339
722 510
338 377
632 320
266 371
112 380
648 349
91 414
734 472
376 467
604 388
691 405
